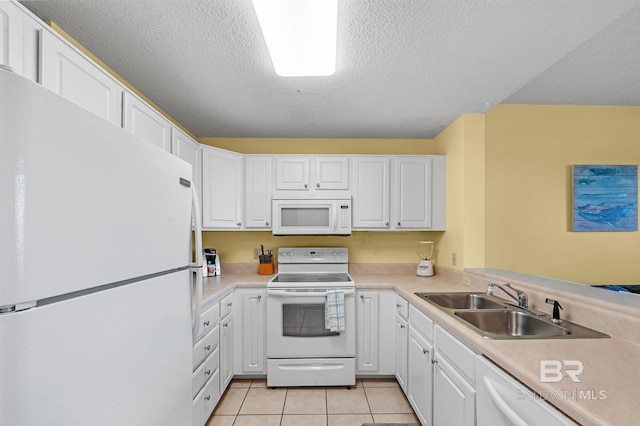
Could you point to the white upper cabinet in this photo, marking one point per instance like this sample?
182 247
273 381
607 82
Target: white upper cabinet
222 188
184 147
312 173
370 190
331 173
145 122
70 74
419 192
292 173
258 183
11 41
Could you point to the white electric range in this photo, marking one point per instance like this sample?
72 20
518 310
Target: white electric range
300 350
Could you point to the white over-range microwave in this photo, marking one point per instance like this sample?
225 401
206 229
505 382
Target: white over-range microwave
303 214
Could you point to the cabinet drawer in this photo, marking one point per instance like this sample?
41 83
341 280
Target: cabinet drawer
206 370
402 307
226 305
421 322
208 320
206 400
457 352
205 347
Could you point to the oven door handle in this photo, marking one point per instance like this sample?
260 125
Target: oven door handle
288 293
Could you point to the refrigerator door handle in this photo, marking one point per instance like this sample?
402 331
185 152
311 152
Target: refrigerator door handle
197 266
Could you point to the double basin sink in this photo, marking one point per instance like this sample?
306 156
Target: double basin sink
493 318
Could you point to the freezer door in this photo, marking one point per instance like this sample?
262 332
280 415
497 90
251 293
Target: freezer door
83 202
117 357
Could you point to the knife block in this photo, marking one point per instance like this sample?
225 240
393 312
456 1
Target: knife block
266 268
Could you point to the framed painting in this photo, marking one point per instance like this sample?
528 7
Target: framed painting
605 198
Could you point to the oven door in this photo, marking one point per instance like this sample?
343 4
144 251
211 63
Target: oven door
296 329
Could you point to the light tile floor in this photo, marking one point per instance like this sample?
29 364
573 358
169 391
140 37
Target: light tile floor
250 402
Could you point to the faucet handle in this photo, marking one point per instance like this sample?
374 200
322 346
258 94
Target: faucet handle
556 310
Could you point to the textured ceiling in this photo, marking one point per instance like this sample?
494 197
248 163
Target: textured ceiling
405 69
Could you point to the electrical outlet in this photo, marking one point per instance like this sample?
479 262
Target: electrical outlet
466 281
454 259
256 253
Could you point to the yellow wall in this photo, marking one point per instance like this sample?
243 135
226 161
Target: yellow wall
367 247
463 144
529 153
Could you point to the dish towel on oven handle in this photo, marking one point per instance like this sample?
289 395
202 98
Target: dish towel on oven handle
334 311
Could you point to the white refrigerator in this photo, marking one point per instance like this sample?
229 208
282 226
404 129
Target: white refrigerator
95 269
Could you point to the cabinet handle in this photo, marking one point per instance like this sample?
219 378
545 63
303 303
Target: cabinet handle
239 223
398 223
267 223
207 398
259 297
424 351
206 323
207 348
401 325
306 185
386 224
225 325
397 305
434 361
362 297
318 185
207 373
229 304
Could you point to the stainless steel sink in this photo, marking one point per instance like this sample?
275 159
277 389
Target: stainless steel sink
463 300
494 318
511 323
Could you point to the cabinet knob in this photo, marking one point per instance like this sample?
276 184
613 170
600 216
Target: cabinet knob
386 224
206 323
401 325
225 325
207 373
398 223
229 304
208 397
259 297
239 223
267 223
424 351
306 185
397 305
318 185
207 348
434 361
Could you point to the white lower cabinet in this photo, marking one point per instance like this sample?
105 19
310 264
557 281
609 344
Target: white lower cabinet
401 347
420 365
206 367
503 401
374 329
453 381
226 342
252 330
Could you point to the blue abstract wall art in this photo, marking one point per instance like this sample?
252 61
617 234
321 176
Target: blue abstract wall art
605 198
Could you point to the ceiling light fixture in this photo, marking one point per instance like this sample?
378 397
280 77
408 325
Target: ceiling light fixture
300 35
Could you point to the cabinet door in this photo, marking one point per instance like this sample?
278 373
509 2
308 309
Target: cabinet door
453 396
413 193
11 42
331 173
70 74
186 148
226 351
258 192
222 191
401 346
145 122
367 325
370 190
420 376
292 173
253 331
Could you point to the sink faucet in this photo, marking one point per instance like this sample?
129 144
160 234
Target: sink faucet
523 301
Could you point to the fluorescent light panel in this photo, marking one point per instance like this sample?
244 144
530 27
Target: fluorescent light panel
300 35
